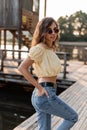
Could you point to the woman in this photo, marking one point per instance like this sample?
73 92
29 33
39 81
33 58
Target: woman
46 66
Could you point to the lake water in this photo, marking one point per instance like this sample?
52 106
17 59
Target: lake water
15 106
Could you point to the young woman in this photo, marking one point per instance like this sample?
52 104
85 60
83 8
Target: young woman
46 66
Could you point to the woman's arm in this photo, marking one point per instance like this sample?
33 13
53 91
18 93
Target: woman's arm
24 69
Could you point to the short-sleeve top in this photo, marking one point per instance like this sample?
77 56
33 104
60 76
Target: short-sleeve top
46 62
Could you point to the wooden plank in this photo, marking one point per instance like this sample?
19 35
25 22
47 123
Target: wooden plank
9 14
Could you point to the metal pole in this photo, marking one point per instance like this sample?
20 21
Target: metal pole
45 6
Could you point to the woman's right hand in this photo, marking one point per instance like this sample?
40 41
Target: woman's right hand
42 91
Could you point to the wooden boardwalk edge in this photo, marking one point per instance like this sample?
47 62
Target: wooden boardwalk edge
75 96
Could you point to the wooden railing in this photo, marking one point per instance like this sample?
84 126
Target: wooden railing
11 58
4 58
64 56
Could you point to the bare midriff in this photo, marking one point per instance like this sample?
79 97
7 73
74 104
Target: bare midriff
47 79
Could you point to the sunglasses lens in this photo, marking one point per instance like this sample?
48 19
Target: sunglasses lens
50 31
56 30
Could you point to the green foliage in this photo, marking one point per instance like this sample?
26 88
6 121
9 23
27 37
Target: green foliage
73 27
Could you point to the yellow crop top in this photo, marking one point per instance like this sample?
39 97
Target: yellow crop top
46 62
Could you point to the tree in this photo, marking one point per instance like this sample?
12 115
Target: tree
73 27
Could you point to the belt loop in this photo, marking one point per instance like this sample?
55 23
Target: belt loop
45 84
55 85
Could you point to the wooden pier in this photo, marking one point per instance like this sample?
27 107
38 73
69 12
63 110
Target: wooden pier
75 96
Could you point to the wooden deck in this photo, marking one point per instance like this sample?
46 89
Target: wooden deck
75 96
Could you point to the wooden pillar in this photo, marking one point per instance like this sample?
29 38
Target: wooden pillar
1 58
5 41
20 29
13 44
0 38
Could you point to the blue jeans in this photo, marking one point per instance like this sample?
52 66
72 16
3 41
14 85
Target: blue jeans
45 106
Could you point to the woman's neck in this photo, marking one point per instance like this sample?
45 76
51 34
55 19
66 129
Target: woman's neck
45 45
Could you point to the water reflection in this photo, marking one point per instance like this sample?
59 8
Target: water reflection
15 106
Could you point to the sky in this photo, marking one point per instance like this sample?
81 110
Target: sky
57 8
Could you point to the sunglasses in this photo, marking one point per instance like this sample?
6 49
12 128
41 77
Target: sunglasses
50 31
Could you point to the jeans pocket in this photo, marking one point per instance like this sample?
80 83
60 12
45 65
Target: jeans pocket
41 101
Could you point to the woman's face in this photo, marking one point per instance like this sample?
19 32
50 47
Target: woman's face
51 34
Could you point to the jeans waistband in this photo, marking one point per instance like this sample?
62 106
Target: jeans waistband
50 84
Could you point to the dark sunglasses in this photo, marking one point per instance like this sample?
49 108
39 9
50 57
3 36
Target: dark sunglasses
50 31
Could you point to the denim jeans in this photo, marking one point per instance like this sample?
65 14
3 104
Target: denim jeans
52 105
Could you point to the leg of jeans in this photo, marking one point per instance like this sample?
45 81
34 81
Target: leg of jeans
65 125
65 111
44 121
54 105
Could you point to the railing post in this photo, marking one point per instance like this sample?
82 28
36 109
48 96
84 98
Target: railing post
1 57
85 55
64 76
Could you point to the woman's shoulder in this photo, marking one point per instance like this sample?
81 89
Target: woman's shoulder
37 49
36 52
